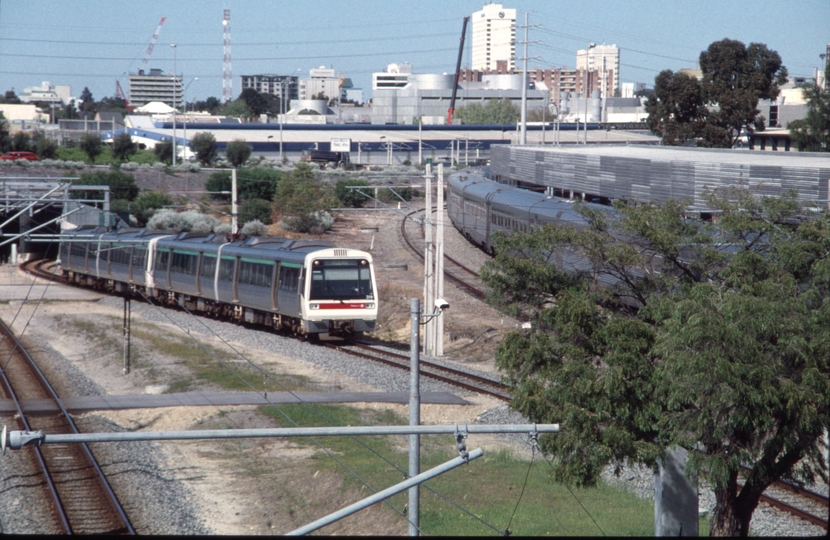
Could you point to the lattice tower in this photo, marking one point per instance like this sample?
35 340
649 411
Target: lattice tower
227 71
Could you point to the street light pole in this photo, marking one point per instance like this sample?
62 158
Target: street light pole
184 98
174 103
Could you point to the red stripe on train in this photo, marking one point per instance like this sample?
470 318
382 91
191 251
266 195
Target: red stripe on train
343 306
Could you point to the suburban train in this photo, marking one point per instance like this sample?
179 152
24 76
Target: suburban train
307 287
479 208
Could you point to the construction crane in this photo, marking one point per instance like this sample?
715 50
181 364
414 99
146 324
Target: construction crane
153 42
119 92
457 72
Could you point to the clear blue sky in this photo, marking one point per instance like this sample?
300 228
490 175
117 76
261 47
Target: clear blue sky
93 43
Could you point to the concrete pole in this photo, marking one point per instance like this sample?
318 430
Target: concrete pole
174 103
414 414
234 224
429 293
439 262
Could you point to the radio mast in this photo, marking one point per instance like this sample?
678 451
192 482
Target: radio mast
227 76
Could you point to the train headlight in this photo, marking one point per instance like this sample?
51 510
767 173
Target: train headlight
314 306
370 305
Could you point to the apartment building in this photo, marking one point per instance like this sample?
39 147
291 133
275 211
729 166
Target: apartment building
493 37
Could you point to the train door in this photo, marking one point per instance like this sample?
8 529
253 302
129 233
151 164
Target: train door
275 301
289 288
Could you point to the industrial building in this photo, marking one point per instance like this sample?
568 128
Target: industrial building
658 173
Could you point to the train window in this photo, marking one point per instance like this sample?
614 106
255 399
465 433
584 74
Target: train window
208 265
289 278
226 268
77 249
139 255
184 263
120 255
162 257
341 280
255 273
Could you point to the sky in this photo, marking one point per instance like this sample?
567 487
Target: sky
94 43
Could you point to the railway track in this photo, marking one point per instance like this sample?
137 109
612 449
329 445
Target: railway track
81 499
428 369
455 271
797 501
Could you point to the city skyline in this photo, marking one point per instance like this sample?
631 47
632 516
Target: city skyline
94 43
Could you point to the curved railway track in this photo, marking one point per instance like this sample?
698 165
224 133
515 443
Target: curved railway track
456 269
82 501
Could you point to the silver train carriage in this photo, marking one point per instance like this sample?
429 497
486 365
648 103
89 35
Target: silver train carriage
304 286
479 208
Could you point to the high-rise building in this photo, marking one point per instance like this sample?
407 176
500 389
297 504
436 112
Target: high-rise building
493 37
284 87
601 58
155 86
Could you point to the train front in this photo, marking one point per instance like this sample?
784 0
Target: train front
340 293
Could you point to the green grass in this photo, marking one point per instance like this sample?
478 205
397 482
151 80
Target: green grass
489 487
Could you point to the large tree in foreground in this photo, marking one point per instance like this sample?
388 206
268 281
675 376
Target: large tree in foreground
713 339
676 111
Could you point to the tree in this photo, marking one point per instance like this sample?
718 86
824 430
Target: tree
237 152
46 148
300 195
812 133
351 198
112 104
676 110
11 98
256 102
254 183
719 347
87 101
123 146
237 108
735 77
146 204
5 139
122 185
91 145
21 142
204 146
495 111
164 151
211 105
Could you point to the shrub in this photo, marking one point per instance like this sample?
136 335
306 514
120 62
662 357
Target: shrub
182 221
254 228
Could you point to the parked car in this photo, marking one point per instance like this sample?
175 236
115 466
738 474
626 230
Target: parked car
14 156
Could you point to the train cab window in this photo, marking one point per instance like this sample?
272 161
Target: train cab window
255 273
289 278
341 280
162 258
208 265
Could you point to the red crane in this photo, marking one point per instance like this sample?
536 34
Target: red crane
457 72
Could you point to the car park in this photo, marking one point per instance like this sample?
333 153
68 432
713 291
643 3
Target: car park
14 156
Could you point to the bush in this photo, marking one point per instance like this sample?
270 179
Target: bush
316 222
237 152
147 204
203 145
182 221
351 198
91 145
122 185
254 228
255 209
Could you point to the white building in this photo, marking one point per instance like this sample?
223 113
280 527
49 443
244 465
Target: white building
50 93
600 58
155 86
395 76
494 37
320 80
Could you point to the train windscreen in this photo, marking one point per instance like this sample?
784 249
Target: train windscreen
341 279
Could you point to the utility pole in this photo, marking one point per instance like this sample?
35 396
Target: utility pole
439 261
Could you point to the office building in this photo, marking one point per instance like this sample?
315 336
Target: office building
155 86
601 58
493 37
285 87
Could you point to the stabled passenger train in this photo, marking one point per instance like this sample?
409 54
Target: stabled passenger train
308 287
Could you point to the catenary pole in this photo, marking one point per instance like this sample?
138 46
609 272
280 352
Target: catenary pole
414 415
